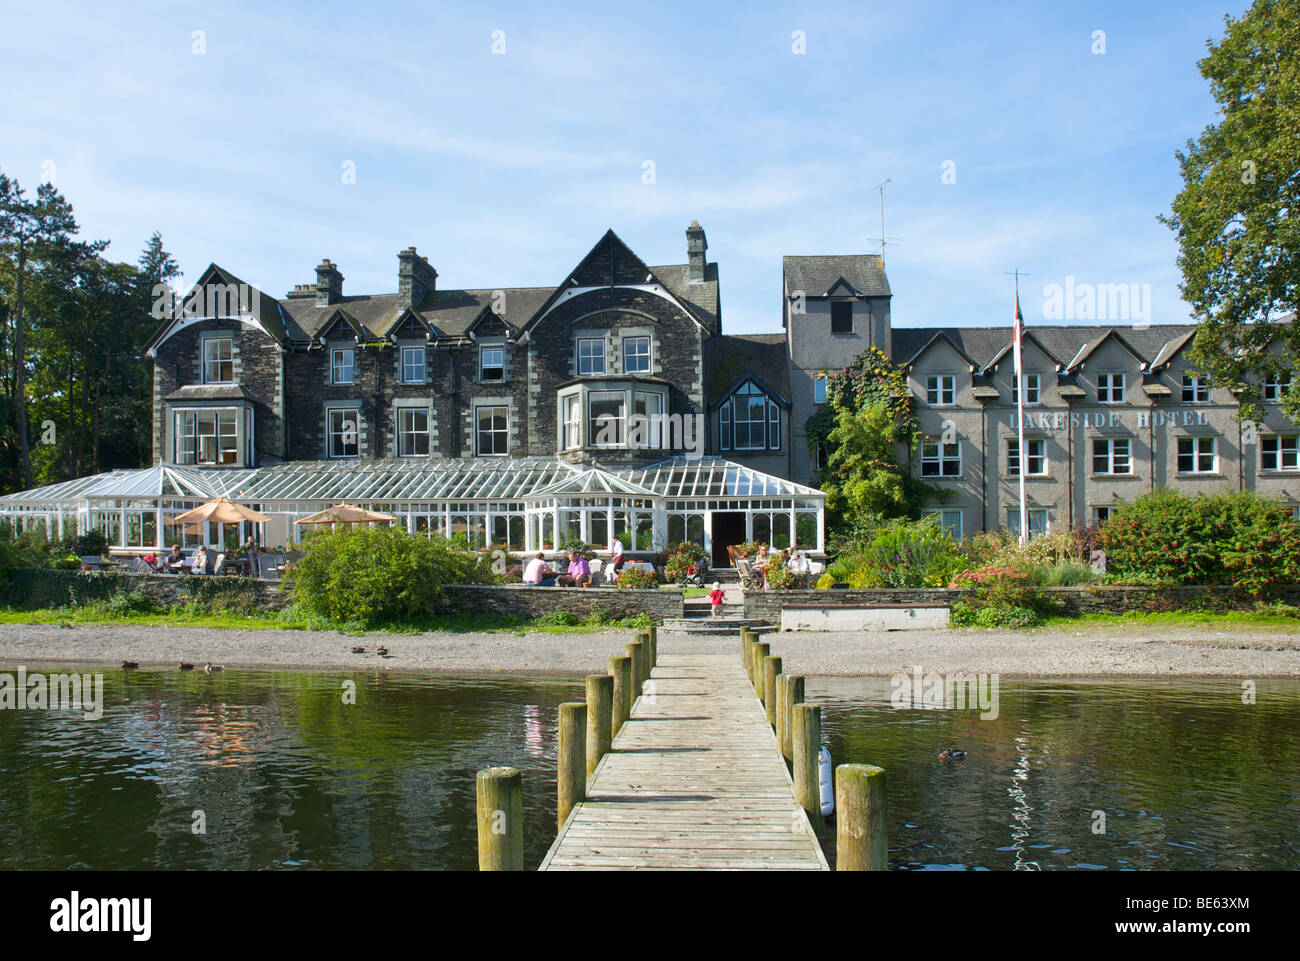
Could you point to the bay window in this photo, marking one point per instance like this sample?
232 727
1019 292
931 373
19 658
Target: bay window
208 437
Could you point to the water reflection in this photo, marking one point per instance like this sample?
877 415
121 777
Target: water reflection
1188 776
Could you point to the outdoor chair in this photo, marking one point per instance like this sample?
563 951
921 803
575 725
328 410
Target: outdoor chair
749 578
220 564
596 568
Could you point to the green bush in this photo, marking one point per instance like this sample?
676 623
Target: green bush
377 574
679 559
909 554
634 578
1238 539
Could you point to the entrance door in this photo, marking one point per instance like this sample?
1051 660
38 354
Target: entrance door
728 529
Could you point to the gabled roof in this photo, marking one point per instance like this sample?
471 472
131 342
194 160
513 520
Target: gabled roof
594 481
862 274
341 318
1090 348
1171 349
268 311
983 344
611 263
741 382
1028 335
729 359
941 337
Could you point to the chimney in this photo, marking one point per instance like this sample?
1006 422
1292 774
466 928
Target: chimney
415 278
301 291
329 284
696 245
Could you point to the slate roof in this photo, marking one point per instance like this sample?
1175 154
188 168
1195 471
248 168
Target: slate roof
815 276
728 358
1062 341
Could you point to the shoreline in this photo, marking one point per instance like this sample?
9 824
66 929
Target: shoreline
1133 652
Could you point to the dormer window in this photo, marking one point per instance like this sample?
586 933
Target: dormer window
941 390
636 355
749 420
341 365
1110 388
842 317
1196 390
1276 386
218 360
591 355
413 359
1033 391
492 363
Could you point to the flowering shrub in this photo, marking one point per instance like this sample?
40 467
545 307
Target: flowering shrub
636 578
903 554
781 578
1004 597
680 557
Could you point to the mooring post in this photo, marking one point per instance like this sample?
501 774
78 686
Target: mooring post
500 795
654 645
647 649
746 653
861 830
636 651
620 669
780 712
807 744
771 671
793 696
600 714
571 760
761 650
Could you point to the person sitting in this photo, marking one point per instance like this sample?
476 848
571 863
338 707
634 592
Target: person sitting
579 572
175 560
802 567
538 573
200 563
150 562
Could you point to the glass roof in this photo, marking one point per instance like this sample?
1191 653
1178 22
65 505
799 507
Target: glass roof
413 481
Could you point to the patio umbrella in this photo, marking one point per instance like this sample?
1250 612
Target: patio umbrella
221 510
346 514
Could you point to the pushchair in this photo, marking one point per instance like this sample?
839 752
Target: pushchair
698 572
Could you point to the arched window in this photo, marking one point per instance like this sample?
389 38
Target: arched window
749 420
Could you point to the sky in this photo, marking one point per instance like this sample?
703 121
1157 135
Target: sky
503 139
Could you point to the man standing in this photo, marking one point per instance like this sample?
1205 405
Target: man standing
617 560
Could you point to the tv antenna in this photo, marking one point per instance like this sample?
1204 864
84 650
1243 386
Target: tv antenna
883 241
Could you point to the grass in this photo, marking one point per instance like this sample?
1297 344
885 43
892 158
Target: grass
1268 619
292 618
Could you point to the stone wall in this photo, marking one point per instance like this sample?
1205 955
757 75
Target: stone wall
1109 599
515 599
52 588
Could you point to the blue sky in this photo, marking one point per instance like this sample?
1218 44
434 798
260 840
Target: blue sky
504 168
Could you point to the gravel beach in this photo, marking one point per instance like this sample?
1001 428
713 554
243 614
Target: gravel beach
1128 651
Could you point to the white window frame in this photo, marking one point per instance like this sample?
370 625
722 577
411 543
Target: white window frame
1113 392
1197 444
942 513
340 430
218 361
598 355
595 428
1033 389
195 446
1097 511
1113 456
935 452
1032 514
493 431
337 367
404 432
1013 456
1196 390
571 421
1285 453
1276 386
941 390
635 341
408 368
484 366
655 420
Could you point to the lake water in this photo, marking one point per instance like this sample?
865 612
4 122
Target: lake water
289 777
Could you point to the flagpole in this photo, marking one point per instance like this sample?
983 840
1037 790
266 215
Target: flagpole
1020 421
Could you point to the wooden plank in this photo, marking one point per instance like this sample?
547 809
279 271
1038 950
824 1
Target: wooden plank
694 781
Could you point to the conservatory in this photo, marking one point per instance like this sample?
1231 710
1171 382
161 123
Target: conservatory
528 504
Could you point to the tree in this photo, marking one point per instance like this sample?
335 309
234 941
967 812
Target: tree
1236 216
32 232
864 426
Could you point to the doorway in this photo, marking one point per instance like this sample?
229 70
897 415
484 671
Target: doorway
728 529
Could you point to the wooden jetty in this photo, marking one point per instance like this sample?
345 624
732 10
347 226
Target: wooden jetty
694 780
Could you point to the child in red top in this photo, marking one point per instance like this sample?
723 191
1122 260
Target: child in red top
715 598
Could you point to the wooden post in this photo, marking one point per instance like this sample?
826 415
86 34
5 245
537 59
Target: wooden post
500 793
793 696
600 714
807 743
636 651
780 712
771 671
861 831
620 668
761 650
654 645
571 762
746 651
